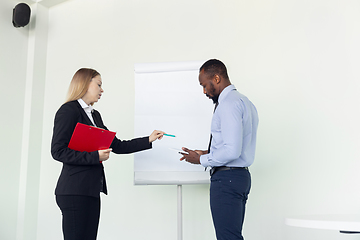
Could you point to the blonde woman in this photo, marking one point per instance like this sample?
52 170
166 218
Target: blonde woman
82 177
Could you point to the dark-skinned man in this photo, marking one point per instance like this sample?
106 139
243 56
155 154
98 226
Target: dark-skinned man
231 150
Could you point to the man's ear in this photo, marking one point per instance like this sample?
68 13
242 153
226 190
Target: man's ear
217 78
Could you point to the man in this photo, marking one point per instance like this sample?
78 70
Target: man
231 150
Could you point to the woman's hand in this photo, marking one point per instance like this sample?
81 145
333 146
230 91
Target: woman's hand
156 134
104 154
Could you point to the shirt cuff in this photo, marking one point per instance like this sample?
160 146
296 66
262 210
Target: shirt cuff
204 160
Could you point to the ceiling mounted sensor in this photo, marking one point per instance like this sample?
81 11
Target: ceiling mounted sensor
21 15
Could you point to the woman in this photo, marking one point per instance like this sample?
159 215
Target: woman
82 177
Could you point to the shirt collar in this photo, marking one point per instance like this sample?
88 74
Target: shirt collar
87 108
225 92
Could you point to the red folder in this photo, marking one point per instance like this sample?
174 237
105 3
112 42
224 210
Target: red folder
89 138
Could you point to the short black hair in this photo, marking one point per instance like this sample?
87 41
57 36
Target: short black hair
214 66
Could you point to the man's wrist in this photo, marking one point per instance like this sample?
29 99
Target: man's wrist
204 161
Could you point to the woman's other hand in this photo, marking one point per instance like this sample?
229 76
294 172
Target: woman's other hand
104 154
156 134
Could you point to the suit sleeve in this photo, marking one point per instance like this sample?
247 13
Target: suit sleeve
130 146
125 146
65 121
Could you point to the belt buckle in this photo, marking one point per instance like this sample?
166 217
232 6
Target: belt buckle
212 171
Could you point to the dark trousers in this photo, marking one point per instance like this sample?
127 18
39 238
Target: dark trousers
80 216
228 194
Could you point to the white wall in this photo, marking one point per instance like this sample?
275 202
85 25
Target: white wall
13 56
296 60
23 68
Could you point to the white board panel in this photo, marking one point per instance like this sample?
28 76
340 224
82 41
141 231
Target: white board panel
168 97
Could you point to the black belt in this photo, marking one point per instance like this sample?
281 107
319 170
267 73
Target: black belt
215 169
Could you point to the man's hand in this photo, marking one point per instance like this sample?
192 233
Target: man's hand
192 156
201 152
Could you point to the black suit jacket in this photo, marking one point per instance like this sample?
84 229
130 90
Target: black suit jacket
82 172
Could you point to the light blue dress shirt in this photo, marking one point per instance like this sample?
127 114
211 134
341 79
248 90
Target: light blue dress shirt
233 128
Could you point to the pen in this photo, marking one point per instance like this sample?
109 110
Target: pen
169 135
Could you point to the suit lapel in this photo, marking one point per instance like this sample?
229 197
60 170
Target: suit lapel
97 119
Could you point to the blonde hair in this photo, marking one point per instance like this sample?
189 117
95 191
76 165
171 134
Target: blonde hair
80 83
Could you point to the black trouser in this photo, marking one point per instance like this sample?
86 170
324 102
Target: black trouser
80 216
228 194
